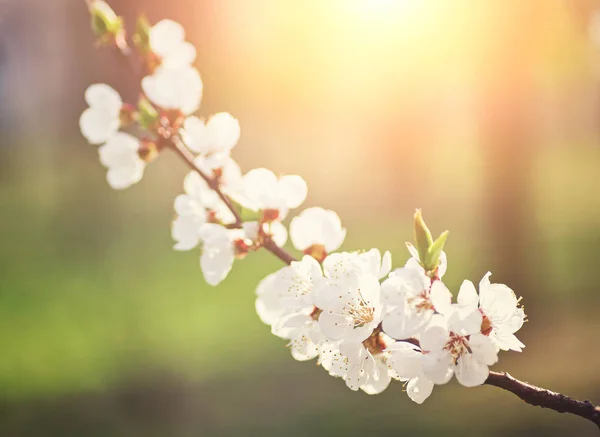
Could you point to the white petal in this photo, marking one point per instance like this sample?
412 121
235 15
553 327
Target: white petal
260 186
102 96
317 226
465 321
471 372
216 262
507 341
483 349
405 360
120 155
386 265
403 322
441 298
414 253
418 389
121 178
434 339
293 190
174 88
404 283
165 36
335 326
224 131
467 295
438 367
278 233
186 231
379 381
267 300
194 134
98 125
181 56
303 347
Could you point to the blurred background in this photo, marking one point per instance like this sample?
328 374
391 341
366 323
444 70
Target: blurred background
484 114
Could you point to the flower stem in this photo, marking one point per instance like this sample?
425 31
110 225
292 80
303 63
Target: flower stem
188 157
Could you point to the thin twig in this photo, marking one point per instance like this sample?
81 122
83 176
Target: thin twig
529 393
540 397
188 157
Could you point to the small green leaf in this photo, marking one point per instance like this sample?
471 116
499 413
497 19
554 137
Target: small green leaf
147 113
434 252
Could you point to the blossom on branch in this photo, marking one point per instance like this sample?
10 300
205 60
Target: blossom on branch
174 88
167 42
499 306
121 155
263 191
101 120
317 232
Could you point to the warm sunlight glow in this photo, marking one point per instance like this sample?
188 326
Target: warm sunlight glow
381 9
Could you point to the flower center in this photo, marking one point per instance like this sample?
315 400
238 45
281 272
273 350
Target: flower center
486 324
362 313
421 302
457 345
375 343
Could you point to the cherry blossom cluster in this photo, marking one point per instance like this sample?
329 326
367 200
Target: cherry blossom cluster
368 325
362 321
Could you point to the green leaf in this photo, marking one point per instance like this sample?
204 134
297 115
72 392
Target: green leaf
147 113
434 252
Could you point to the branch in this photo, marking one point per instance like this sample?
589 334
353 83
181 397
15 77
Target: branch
188 157
537 396
540 397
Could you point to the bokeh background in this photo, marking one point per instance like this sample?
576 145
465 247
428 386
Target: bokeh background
484 114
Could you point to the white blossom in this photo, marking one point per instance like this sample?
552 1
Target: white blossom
284 301
343 264
458 347
359 367
101 120
265 191
406 363
317 227
167 41
198 206
219 250
297 282
213 139
174 88
120 155
412 300
352 307
499 306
